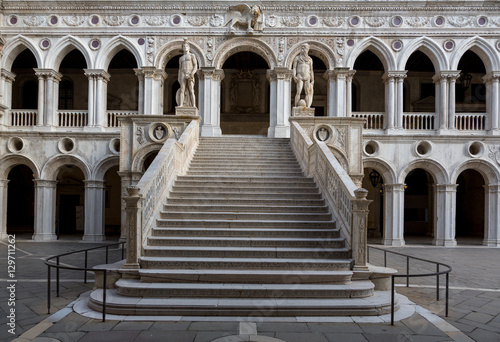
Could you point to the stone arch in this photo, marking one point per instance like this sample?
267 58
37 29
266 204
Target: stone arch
8 162
245 44
63 47
378 47
482 48
49 170
100 170
17 45
435 169
430 48
141 156
174 48
381 166
320 50
489 172
111 48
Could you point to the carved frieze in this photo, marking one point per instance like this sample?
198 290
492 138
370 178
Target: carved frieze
150 49
74 20
334 21
156 20
375 21
460 21
197 20
33 20
291 21
139 133
417 21
114 20
494 154
216 20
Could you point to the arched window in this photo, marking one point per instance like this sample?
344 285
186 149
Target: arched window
29 95
66 94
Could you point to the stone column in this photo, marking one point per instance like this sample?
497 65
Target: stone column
493 101
134 226
348 100
94 211
400 76
3 206
50 97
452 80
390 100
360 229
150 95
91 105
394 195
45 210
6 80
445 225
443 99
492 216
280 102
128 179
209 100
338 94
98 80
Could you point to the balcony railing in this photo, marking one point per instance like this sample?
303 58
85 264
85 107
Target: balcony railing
23 118
113 116
418 121
470 121
372 120
72 118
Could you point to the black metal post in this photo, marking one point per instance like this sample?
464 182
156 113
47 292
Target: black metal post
392 300
368 254
408 271
447 291
48 289
123 250
385 258
85 272
107 248
104 297
437 282
57 277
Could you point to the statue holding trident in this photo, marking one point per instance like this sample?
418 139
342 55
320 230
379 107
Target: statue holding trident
303 75
188 65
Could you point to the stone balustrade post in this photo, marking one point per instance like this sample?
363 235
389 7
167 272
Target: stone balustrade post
280 102
359 229
4 183
133 207
45 210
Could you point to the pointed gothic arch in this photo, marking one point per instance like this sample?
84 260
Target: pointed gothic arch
482 48
115 45
430 48
378 47
17 45
63 47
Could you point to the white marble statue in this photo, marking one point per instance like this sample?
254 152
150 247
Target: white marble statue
188 65
243 14
303 75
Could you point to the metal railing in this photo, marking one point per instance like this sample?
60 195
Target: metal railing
85 269
415 275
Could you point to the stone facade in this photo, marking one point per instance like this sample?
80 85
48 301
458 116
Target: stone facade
424 75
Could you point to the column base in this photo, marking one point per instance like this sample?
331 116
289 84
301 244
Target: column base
444 242
278 132
394 242
210 131
491 243
4 236
44 237
94 238
494 132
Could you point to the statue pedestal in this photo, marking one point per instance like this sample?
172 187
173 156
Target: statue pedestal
302 111
186 110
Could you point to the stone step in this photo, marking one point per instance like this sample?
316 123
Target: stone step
249 264
135 288
245 173
245 252
246 201
243 276
246 190
190 207
245 232
377 304
244 223
242 165
244 159
230 216
232 183
249 180
249 168
244 195
238 151
245 241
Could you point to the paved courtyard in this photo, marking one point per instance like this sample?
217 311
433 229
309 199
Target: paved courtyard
474 305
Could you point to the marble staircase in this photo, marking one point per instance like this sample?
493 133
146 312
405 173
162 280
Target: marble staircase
244 232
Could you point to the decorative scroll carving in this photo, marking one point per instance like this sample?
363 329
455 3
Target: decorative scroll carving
216 20
33 20
140 134
494 153
417 21
375 21
293 21
74 20
197 20
334 22
150 49
460 21
114 20
156 20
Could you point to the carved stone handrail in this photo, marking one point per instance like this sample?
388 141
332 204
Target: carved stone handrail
346 201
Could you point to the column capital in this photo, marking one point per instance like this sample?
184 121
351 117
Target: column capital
150 72
4 182
92 183
493 76
395 74
492 188
97 73
445 75
446 187
8 75
45 183
394 187
279 73
48 74
206 73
